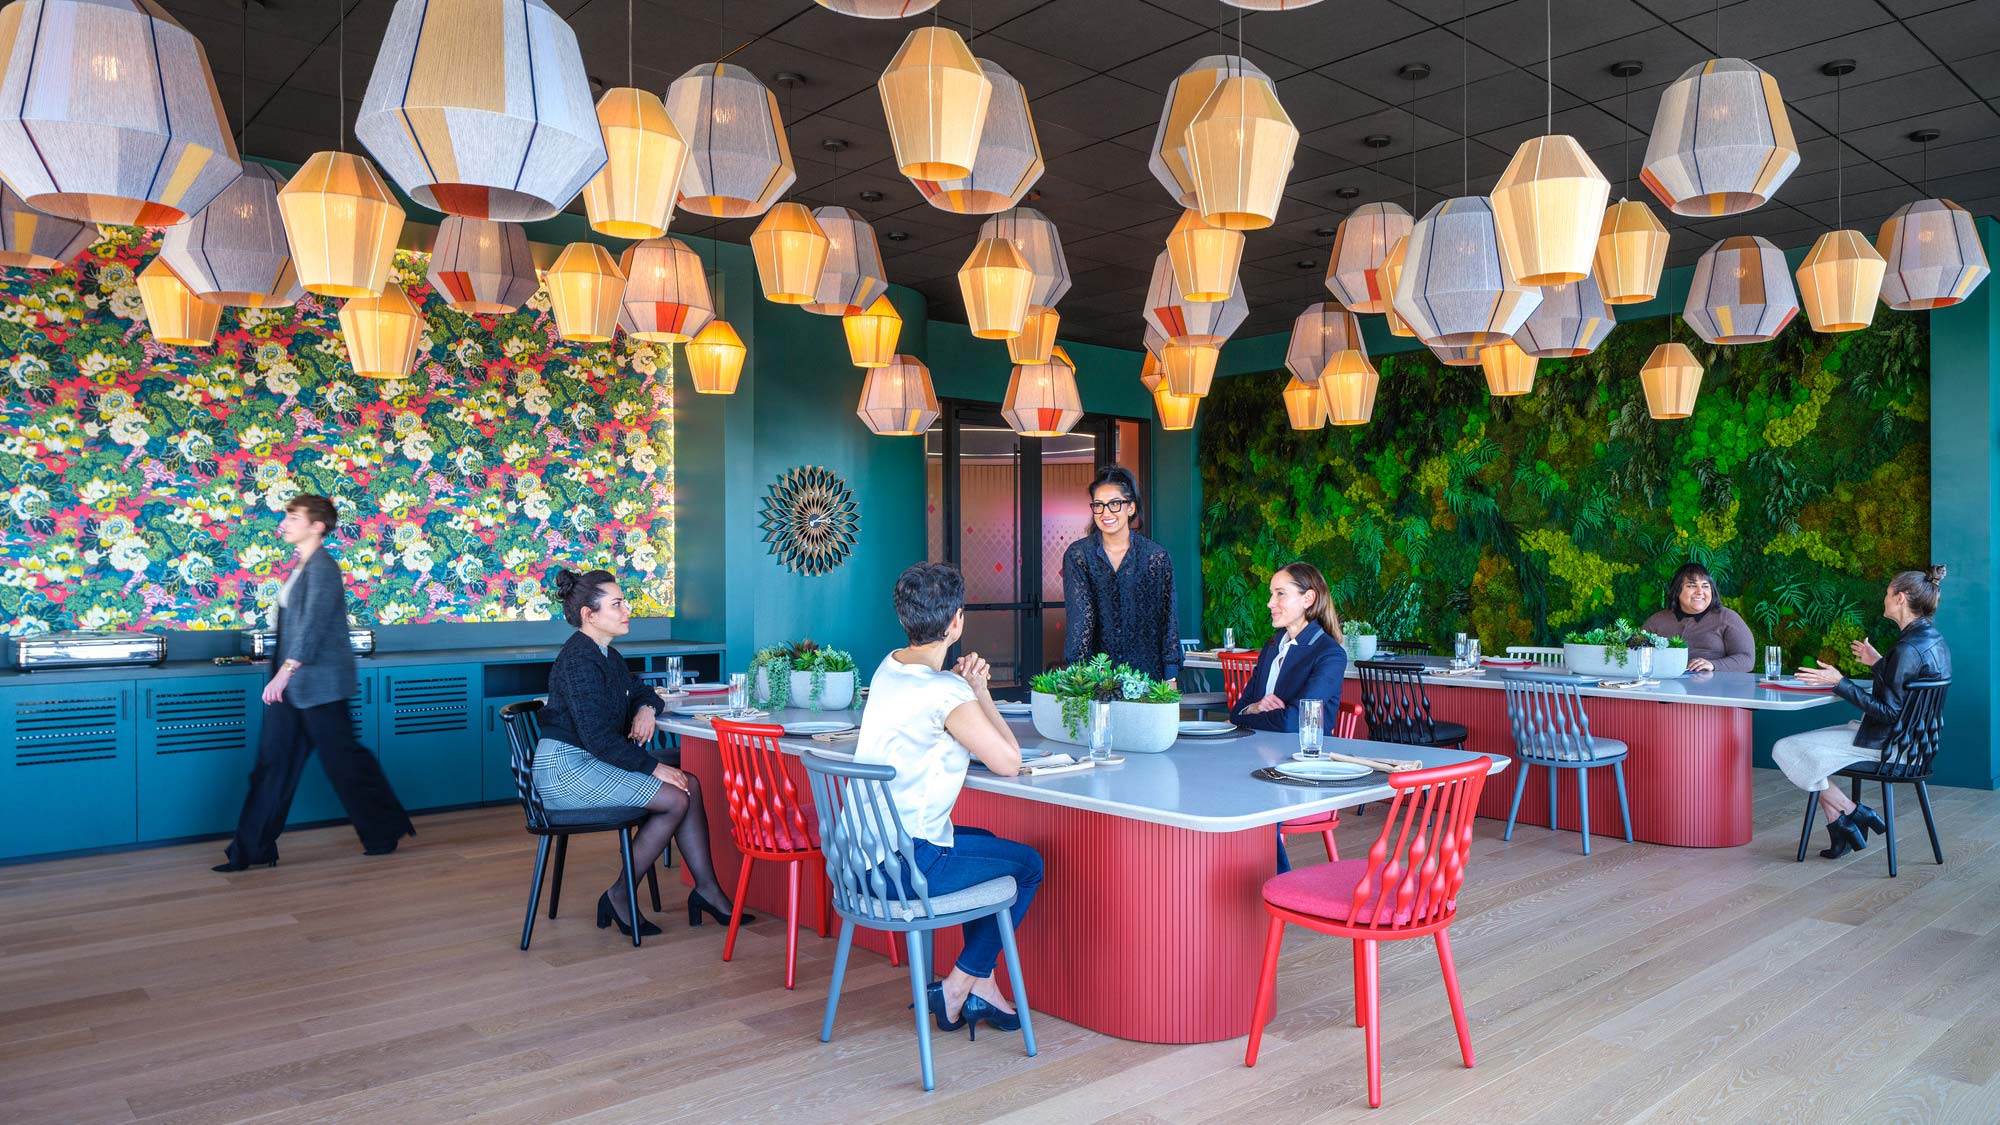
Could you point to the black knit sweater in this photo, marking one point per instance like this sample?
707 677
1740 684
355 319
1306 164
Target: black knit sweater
592 698
1128 612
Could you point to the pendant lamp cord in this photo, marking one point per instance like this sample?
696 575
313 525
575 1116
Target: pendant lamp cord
1626 139
628 44
1839 163
243 81
340 67
1464 106
1413 143
1549 71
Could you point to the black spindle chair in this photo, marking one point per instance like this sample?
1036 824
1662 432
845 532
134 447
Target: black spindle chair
523 731
1906 760
1398 710
1404 648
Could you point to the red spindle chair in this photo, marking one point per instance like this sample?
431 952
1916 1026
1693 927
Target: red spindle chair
1236 669
1345 725
1406 888
769 819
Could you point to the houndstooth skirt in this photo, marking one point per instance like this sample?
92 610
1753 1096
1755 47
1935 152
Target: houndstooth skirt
570 777
1811 757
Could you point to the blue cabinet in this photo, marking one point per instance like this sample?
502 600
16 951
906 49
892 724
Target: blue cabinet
70 779
197 744
427 734
496 753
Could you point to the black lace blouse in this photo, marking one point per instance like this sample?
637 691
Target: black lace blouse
1128 612
592 698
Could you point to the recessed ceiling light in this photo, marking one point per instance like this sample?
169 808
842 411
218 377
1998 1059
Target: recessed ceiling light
1306 264
1326 232
1347 192
871 196
896 235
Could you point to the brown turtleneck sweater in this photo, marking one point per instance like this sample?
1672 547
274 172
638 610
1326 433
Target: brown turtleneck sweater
1719 636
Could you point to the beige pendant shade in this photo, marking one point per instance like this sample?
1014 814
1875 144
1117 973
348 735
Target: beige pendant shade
234 252
1456 288
1392 272
935 95
1205 258
633 195
1037 341
667 300
1457 357
1240 147
1317 333
878 9
1176 412
108 113
790 249
1189 368
739 162
585 290
1840 281
1933 255
1042 399
715 359
1360 245
853 276
1348 384
1631 253
342 224
1571 321
173 313
996 283
1041 247
1305 404
1741 292
897 399
1190 322
1186 95
1152 375
1270 5
1672 379
382 334
1721 141
1548 208
872 334
1008 162
32 240
1509 370
482 267
482 108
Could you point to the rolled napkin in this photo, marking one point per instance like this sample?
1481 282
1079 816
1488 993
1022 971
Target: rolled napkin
1386 765
751 715
1054 764
838 736
1621 685
1453 671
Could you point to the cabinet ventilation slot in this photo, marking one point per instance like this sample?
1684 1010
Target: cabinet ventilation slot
200 721
430 705
51 732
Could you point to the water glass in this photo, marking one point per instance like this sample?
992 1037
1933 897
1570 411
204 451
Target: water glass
1646 662
674 682
739 693
1312 723
1229 639
1100 731
1774 661
1472 652
1458 647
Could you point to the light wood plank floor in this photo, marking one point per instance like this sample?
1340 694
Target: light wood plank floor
1641 983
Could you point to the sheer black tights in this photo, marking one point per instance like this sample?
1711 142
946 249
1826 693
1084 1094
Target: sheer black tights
679 817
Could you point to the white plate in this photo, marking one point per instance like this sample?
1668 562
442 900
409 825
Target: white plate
1206 729
1309 770
698 689
703 710
818 726
1014 708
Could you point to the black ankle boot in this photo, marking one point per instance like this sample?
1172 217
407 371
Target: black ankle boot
1846 838
1868 821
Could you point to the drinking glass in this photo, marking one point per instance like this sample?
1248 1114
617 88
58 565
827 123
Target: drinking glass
1229 639
1646 662
1100 731
1774 661
1472 652
739 693
674 683
1312 716
1458 647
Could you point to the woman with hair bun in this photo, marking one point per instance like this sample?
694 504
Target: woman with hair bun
592 754
1118 586
1920 653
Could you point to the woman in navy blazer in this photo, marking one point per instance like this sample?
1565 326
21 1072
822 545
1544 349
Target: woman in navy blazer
1306 652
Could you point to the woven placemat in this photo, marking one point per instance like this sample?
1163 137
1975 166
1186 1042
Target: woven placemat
1362 782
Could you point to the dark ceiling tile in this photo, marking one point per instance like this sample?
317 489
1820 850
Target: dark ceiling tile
1099 34
1857 208
1315 102
1446 12
1879 53
1969 122
1890 99
1309 36
1348 139
1515 31
1059 139
1116 246
1961 31
1947 159
1592 127
827 80
1664 52
1854 180
1102 105
868 43
1982 72
1106 166
1378 71
1756 28
1038 72
1918 7
1158 70
1504 99
1390 181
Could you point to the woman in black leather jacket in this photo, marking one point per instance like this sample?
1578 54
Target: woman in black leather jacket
1919 654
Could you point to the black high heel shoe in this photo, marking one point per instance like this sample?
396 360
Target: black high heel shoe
976 1010
935 995
698 906
1868 821
1846 838
607 917
232 865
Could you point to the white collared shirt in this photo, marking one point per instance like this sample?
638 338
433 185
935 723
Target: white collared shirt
1278 664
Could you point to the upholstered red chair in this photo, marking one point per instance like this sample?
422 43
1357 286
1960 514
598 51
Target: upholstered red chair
1344 726
1406 888
1236 669
769 820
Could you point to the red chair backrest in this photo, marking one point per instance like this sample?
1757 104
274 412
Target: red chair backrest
1236 669
1348 723
765 812
1417 865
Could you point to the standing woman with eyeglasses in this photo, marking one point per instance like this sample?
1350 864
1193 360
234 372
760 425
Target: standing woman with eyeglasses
1118 585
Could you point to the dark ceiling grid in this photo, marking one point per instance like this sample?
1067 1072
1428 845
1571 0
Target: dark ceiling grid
1097 70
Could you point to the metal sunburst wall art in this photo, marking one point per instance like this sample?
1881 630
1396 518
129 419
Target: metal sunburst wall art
810 520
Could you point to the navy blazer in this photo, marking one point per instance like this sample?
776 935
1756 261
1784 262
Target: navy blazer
1314 669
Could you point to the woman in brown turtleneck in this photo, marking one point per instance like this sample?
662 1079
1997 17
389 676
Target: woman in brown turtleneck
1718 638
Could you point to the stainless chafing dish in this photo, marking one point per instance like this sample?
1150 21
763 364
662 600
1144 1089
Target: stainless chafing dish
85 648
260 642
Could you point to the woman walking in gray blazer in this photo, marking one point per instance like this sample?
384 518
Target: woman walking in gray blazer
305 706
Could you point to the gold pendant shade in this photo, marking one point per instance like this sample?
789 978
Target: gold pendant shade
382 334
790 249
585 290
1205 258
1840 281
1456 289
1037 341
32 240
233 251
173 313
666 299
1391 274
1008 162
1360 245
482 267
1189 368
715 359
1509 370
1741 292
1672 379
1176 412
1152 375
1721 142
1348 385
342 224
1457 357
1572 320
1041 247
996 282
1240 147
633 195
1182 321
1631 253
872 334
1305 405
935 96
1933 254
1186 96
739 162
1319 332
1042 398
897 399
853 276
1548 208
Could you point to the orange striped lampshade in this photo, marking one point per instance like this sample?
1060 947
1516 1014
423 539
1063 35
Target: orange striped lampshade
1009 159
1721 141
1741 292
1320 331
897 399
872 333
739 162
1042 399
666 299
482 267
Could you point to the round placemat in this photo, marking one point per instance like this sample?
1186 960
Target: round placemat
1266 773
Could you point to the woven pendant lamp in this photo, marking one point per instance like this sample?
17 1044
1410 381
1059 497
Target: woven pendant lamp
1319 332
633 195
110 113
897 399
935 97
234 252
1509 370
1721 141
1008 162
1348 384
1189 368
1671 377
1458 357
1152 375
1391 273
1185 97
1933 255
790 249
1037 341
1740 293
1360 246
482 267
666 300
1042 399
32 240
1548 209
1270 5
482 108
853 277
1182 321
1456 288
1175 412
1204 257
585 291
1631 253
1040 246
342 224
1240 147
872 334
1571 321
1305 404
715 359
996 282
382 334
1840 281
173 313
878 9
739 161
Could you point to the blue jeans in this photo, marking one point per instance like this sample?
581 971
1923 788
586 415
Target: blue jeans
976 856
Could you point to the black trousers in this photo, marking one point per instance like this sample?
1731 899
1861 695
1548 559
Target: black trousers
291 734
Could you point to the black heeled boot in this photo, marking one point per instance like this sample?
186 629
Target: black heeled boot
1868 821
1846 837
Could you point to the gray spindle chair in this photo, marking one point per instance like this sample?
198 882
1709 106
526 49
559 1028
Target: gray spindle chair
1195 695
1551 730
1536 653
869 860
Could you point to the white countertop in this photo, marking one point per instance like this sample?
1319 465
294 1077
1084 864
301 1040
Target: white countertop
1197 785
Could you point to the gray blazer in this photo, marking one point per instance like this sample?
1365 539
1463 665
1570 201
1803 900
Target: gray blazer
314 633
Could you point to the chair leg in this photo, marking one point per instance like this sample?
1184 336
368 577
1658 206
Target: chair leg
1624 809
1267 983
1930 825
1451 993
1805 834
1583 805
535 892
825 897
1854 789
631 885
653 887
839 974
1360 989
792 923
1889 818
1332 848
1284 859
555 888
736 912
667 855
895 949
1520 786
1371 970
1020 982
1553 806
921 1004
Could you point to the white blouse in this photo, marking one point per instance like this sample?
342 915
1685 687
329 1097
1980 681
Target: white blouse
903 727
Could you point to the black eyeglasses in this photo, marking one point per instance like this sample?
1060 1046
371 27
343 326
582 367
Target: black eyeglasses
1112 506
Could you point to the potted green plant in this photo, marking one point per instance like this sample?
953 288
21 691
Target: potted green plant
782 675
1608 651
1361 639
1145 712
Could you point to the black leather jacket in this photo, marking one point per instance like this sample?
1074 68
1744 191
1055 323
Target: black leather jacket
1920 654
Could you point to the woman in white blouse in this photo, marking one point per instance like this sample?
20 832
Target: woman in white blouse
929 723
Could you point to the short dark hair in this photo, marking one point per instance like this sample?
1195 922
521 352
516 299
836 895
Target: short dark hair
928 596
1122 478
581 591
316 509
1687 573
1921 588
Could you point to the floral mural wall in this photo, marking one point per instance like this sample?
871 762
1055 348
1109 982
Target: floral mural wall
142 484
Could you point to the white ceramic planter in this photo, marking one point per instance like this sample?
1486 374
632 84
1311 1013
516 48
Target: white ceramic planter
1360 647
1136 728
836 694
1589 660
